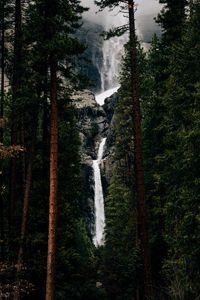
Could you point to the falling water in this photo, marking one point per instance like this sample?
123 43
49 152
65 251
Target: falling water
100 98
113 50
99 199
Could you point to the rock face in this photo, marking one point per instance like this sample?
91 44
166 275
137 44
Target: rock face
92 124
91 61
108 158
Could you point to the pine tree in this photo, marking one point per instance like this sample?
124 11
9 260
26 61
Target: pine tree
121 255
170 123
171 19
143 239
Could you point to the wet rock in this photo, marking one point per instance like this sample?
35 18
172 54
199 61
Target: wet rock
91 61
92 124
108 157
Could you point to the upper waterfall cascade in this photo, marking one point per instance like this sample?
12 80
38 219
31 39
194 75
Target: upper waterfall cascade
112 49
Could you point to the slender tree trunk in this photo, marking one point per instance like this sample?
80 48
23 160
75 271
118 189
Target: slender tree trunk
16 85
45 120
22 156
145 291
27 192
2 250
2 62
50 284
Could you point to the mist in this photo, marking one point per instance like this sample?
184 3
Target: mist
146 9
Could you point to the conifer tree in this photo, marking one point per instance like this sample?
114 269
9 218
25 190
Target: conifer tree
138 160
170 124
172 19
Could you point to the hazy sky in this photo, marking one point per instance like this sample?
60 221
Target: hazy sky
145 7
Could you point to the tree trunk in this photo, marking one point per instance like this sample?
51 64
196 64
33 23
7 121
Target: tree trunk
45 133
145 290
27 192
16 85
50 285
22 156
2 62
2 250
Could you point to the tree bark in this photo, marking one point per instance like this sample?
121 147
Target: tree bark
2 250
50 284
23 164
27 192
45 133
16 85
2 61
145 291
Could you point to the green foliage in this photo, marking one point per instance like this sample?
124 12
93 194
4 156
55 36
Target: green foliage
171 19
120 254
117 31
121 257
170 94
107 3
76 263
171 139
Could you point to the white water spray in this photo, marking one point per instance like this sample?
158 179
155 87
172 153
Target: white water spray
98 238
112 49
100 98
112 53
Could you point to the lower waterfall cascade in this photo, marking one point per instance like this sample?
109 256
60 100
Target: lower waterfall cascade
98 238
99 210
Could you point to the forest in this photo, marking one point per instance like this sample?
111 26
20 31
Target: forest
51 154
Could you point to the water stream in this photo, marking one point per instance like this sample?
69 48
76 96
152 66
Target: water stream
98 238
100 98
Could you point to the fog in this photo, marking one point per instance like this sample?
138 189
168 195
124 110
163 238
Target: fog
148 8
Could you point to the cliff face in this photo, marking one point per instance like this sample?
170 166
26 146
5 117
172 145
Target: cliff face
108 157
90 63
94 123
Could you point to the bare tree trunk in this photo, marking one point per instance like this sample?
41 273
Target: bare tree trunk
27 192
50 284
16 85
2 61
2 250
45 133
22 156
145 292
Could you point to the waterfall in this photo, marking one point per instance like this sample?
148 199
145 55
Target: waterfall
113 50
100 98
98 238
